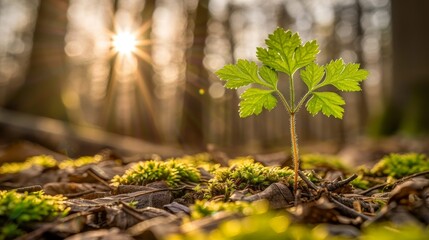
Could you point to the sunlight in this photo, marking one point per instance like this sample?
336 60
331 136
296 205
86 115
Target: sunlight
124 43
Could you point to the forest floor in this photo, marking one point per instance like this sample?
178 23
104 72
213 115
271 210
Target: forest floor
213 196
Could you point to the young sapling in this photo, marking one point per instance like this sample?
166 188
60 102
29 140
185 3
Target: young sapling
285 53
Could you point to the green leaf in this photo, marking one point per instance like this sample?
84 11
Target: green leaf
241 74
253 100
238 75
312 75
345 77
306 54
272 59
283 42
327 102
286 53
269 76
281 49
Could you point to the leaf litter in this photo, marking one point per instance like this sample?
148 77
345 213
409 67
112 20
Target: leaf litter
158 210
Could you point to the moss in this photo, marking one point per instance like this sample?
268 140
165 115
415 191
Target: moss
315 161
240 160
203 208
248 174
360 183
42 160
200 160
172 171
47 162
401 165
85 160
19 209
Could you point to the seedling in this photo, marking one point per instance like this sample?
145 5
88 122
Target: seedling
286 54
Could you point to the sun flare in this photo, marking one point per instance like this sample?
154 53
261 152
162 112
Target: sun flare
124 43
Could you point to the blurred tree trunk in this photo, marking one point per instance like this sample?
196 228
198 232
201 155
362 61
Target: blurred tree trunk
194 105
231 104
362 105
40 93
407 105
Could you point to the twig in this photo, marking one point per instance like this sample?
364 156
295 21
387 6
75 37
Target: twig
131 211
350 201
79 194
409 177
373 188
347 209
307 181
337 185
153 191
102 181
33 188
394 183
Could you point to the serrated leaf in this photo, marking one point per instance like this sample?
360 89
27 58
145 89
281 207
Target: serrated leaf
312 75
283 42
306 54
269 76
281 49
286 53
345 77
241 74
272 59
254 100
328 102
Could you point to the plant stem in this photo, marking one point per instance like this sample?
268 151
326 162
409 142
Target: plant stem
283 100
292 93
301 102
294 141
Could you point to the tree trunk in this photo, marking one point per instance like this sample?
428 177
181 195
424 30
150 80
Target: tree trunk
195 97
40 93
408 99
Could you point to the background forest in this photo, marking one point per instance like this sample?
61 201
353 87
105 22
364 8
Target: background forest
63 81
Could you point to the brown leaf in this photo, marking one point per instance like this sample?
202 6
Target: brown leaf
320 211
117 217
157 199
277 194
156 228
71 188
121 189
176 207
402 193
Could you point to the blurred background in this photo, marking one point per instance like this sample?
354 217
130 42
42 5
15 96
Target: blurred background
138 74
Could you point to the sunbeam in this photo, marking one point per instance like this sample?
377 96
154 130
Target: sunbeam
129 105
124 43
